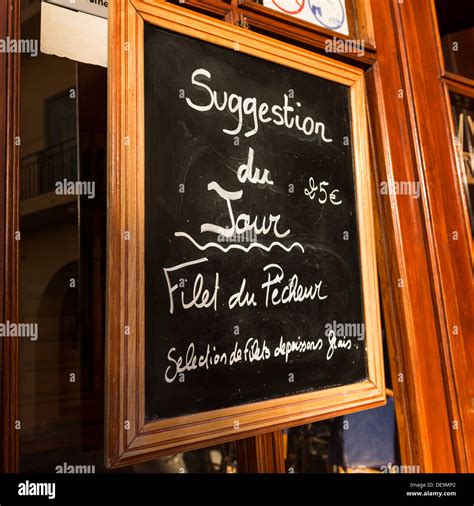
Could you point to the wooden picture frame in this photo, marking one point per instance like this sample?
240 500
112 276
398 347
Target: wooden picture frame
129 437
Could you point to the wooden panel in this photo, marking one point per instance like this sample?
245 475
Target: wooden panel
129 438
261 454
3 221
406 268
448 240
365 23
217 8
9 195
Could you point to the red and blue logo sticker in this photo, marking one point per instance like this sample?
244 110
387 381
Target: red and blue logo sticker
328 13
289 6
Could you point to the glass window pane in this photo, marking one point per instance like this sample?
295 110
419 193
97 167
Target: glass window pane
463 115
62 271
362 442
456 29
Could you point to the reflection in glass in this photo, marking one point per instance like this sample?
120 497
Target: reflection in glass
456 29
62 270
362 442
463 114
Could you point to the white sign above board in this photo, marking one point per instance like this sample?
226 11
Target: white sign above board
331 14
74 35
94 7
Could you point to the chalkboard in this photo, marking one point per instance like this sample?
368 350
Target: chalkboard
252 256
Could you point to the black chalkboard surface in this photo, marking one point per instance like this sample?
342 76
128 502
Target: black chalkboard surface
252 269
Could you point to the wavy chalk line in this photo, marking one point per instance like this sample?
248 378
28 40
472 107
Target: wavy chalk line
239 246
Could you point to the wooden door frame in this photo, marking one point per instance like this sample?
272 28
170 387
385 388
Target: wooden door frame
428 393
413 141
449 239
9 212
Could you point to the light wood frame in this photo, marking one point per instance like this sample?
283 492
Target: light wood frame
129 438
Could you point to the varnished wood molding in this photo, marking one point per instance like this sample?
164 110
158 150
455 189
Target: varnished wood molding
9 198
425 278
447 238
261 454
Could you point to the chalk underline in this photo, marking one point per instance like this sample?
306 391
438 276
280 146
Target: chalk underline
239 246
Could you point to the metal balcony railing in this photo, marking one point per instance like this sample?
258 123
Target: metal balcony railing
42 170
